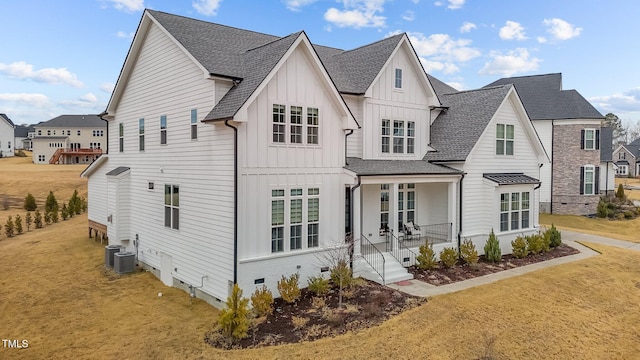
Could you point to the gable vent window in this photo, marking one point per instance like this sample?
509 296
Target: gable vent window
398 79
163 130
504 139
590 139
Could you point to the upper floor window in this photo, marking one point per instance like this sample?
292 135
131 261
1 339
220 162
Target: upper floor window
69 132
141 134
312 125
48 132
163 129
97 133
121 137
386 134
39 132
622 155
172 206
194 124
296 125
590 139
404 133
79 132
504 139
279 127
589 180
398 79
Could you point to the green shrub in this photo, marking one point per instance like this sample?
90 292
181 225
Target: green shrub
318 285
492 250
449 256
37 219
620 192
234 320
20 153
546 241
341 274
602 211
54 216
468 252
262 301
30 203
519 247
554 235
64 212
47 218
75 204
8 227
535 243
288 288
28 220
427 258
51 204
628 214
18 224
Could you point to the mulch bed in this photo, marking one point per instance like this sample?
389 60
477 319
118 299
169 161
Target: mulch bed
443 276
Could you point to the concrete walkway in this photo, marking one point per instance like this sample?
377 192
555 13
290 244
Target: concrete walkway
421 288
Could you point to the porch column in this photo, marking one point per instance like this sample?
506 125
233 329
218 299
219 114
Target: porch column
454 205
393 211
356 203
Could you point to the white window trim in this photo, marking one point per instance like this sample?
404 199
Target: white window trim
510 211
163 130
287 224
397 79
505 140
385 189
589 169
175 220
619 170
303 126
141 129
193 128
592 131
405 137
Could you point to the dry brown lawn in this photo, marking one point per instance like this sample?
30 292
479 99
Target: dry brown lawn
628 230
55 293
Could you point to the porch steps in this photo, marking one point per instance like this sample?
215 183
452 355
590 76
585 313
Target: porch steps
394 271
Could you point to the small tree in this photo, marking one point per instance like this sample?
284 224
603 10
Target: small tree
234 320
492 248
468 252
448 256
47 218
83 204
75 204
555 236
64 212
318 285
54 216
288 288
620 192
8 227
28 220
427 258
51 204
18 224
37 219
262 301
30 203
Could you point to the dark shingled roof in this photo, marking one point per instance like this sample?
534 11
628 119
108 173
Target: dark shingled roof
440 87
469 110
6 118
397 167
68 121
510 178
117 171
633 149
544 99
606 144
250 56
22 131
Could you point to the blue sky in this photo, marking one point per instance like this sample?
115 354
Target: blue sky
64 57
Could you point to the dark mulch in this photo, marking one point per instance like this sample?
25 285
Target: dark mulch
443 276
365 305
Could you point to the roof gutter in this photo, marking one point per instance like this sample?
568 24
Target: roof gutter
345 147
104 113
235 200
351 226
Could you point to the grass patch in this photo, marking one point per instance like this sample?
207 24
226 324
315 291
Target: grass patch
618 229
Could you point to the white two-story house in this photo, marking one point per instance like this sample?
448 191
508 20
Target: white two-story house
7 139
239 157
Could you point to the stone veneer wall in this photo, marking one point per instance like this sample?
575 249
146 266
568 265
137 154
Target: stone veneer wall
567 160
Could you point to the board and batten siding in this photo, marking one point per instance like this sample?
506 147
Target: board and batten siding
410 103
265 166
166 82
354 141
480 200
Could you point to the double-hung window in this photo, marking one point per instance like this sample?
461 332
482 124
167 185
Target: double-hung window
295 219
398 137
312 126
296 125
141 134
194 124
589 180
504 139
590 139
277 220
163 130
172 206
121 137
386 135
313 217
384 206
515 210
279 127
411 134
398 79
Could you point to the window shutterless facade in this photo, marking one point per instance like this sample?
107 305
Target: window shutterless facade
515 211
172 206
295 219
121 137
296 124
194 124
312 126
163 130
398 79
277 221
384 206
313 217
295 215
504 139
141 134
279 127
386 135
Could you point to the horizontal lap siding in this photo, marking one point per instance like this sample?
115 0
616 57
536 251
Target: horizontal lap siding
544 130
166 82
97 194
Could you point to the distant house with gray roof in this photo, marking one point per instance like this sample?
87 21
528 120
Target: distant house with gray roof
571 131
7 139
69 139
627 159
290 150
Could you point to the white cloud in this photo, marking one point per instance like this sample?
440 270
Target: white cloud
561 30
409 15
512 31
456 4
467 27
628 101
85 101
431 66
515 61
207 7
541 39
443 47
357 14
35 100
438 3
107 87
23 71
295 5
128 5
125 35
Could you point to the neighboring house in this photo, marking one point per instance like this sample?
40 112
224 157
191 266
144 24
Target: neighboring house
23 135
69 139
7 140
240 157
569 128
627 159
